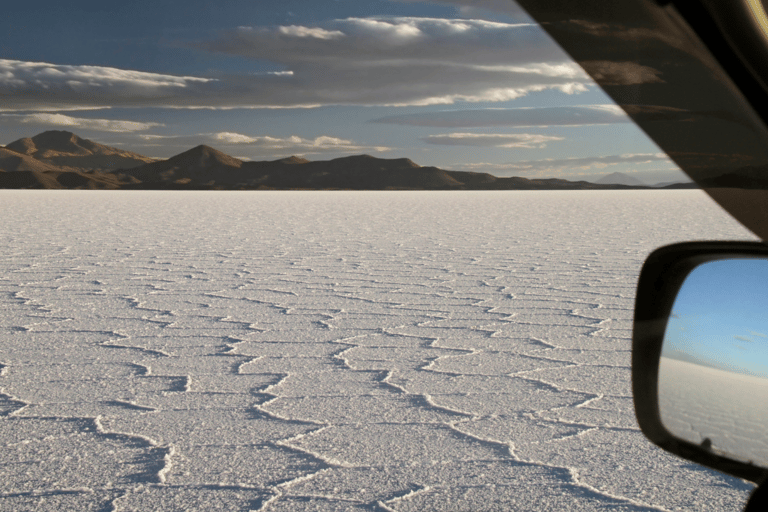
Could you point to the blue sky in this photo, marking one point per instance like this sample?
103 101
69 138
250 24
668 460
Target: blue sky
463 85
719 316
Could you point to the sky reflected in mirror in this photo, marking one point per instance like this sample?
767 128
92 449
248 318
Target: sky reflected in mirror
720 317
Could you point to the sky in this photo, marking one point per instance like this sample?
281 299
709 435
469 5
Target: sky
718 317
468 85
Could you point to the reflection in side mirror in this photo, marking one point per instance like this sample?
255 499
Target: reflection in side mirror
713 371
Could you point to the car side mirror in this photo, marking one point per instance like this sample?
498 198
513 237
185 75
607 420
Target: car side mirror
700 354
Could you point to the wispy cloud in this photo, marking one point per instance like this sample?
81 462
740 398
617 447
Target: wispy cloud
522 117
41 86
353 61
258 146
498 140
317 33
470 7
61 120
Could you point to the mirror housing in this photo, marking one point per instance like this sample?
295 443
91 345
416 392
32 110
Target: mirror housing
661 278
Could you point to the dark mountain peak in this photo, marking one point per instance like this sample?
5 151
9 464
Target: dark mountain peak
355 158
201 166
58 141
203 148
368 160
406 162
53 136
617 178
293 160
25 146
204 156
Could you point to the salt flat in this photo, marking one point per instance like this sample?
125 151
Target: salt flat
400 351
732 415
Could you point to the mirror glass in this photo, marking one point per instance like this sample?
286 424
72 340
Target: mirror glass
713 372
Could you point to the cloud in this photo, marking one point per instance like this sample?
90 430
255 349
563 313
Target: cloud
522 117
493 140
104 125
743 338
52 107
353 61
558 166
259 145
317 33
25 85
294 141
475 7
379 41
234 138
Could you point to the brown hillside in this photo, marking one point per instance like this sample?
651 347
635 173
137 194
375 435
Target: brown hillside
11 161
59 180
65 149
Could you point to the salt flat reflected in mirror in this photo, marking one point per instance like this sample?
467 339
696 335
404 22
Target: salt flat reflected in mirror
713 372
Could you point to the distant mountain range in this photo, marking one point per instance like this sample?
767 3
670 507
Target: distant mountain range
61 159
617 178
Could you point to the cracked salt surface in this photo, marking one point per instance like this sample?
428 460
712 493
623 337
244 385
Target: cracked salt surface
387 351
